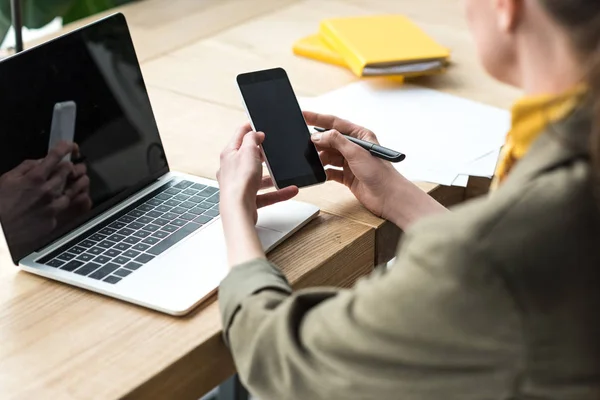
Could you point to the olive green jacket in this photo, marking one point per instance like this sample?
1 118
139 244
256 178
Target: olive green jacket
498 299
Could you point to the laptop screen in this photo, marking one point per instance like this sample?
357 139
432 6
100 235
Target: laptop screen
77 134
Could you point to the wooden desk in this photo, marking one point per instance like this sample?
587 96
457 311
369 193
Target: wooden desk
62 342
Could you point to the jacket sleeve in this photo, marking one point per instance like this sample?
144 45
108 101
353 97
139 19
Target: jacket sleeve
440 324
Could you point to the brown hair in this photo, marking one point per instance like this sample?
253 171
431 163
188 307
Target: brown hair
581 18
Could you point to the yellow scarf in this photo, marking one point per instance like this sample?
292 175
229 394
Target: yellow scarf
531 116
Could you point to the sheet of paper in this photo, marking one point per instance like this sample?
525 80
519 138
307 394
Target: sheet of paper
442 135
461 180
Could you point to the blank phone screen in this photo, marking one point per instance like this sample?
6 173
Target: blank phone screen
274 110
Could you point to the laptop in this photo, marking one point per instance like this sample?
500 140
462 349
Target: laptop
122 224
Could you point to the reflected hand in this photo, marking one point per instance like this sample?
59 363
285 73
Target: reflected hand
31 195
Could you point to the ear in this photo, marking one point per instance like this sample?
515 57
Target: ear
508 13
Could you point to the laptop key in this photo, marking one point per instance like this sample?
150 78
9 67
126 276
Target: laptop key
107 244
85 257
136 213
163 209
122 246
87 269
179 210
112 253
144 258
141 247
160 221
187 204
197 199
209 191
172 203
77 250
102 259
122 272
116 237
163 196
104 271
211 213
203 219
213 199
145 208
205 205
198 186
169 216
154 214
96 237
111 279
132 240
131 253
183 185
132 266
172 191
72 265
151 227
135 225
188 216
126 219
127 231
196 210
151 240
174 238
181 197
96 250
107 231
121 260
154 202
66 256
55 263
179 222
190 192
141 234
169 228
118 225
145 220
160 234
87 243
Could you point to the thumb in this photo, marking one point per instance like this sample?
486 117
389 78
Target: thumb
253 139
332 139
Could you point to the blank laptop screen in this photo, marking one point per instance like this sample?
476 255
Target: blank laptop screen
85 88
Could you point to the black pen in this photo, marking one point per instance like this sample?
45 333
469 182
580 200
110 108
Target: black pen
376 150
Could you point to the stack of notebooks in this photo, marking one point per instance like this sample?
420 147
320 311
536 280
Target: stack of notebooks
387 45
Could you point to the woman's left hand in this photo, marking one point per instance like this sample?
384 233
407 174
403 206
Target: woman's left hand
240 179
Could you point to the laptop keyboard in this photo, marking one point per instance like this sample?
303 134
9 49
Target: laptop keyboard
116 249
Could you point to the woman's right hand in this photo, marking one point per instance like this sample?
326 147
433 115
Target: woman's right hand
369 178
374 182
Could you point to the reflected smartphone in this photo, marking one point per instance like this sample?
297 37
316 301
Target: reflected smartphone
63 125
272 107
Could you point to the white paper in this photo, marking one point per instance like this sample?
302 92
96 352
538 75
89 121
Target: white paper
443 136
461 180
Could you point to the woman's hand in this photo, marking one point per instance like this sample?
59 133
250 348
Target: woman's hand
374 182
240 179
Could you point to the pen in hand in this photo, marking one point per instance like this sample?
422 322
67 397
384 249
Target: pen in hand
376 150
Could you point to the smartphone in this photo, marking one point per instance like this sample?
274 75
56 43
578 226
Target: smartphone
290 155
63 125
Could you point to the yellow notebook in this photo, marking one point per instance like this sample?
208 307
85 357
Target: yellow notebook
314 47
384 45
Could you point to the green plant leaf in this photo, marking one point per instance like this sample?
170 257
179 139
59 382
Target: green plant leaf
38 13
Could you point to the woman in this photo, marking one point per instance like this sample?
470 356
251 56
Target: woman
497 299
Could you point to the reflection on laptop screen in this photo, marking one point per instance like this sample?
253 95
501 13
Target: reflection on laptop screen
85 88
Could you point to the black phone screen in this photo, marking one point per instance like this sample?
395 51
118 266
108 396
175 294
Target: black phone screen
274 110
